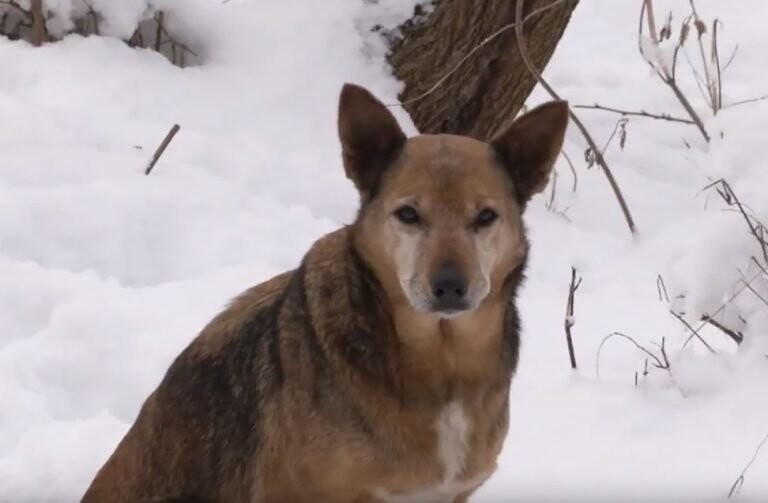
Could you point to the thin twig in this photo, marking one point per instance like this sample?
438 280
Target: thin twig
667 75
159 32
731 58
573 170
716 60
661 288
693 330
752 289
521 45
641 113
724 304
744 102
174 42
730 198
657 362
468 55
551 203
709 82
620 125
569 319
162 147
759 266
737 337
736 487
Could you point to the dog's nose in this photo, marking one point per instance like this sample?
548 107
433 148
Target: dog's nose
449 288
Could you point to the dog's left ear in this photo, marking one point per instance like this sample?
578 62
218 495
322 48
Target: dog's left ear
528 148
370 137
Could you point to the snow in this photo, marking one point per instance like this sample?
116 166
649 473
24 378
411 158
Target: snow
108 274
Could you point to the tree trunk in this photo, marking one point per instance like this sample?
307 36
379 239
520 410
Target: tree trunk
490 87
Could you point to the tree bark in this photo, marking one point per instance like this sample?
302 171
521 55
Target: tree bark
489 88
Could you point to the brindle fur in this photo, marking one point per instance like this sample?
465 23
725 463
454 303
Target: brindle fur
323 384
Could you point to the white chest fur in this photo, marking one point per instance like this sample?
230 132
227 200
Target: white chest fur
453 428
452 439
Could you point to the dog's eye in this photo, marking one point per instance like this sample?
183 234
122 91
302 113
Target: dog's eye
408 215
485 218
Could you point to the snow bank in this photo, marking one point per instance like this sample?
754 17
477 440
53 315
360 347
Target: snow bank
107 274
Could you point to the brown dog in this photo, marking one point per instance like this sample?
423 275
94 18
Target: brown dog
379 370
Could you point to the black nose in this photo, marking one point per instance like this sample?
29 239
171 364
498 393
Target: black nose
449 288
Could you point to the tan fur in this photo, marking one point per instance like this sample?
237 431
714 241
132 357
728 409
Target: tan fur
340 381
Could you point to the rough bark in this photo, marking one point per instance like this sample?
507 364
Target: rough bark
490 87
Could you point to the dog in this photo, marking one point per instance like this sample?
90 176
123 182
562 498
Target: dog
378 370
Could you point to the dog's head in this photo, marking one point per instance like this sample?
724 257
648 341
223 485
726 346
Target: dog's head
441 215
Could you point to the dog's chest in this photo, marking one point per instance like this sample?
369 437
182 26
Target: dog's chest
453 430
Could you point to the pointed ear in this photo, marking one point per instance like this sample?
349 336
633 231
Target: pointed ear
529 147
370 137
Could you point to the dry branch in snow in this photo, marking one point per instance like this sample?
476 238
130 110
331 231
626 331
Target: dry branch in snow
640 113
569 316
661 361
736 487
599 159
666 70
161 148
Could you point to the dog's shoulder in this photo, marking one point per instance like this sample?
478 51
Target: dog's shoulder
253 303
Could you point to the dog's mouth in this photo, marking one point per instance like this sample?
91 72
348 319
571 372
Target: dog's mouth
449 309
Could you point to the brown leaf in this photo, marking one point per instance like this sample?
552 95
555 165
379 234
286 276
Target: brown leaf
589 157
623 134
666 30
684 30
701 28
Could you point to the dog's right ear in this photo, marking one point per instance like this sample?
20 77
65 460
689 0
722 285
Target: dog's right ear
370 137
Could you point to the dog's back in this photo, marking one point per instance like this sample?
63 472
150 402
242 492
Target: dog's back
195 434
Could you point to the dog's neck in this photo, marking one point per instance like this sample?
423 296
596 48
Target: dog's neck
450 358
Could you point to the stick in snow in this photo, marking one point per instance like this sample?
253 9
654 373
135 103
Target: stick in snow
569 320
162 147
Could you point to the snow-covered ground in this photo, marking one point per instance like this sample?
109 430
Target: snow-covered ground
105 274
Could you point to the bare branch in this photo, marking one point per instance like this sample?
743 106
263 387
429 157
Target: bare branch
727 301
569 318
744 102
521 45
573 170
736 487
737 337
749 286
658 363
619 127
172 40
162 147
715 55
661 288
755 229
693 330
667 75
159 32
731 58
641 113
